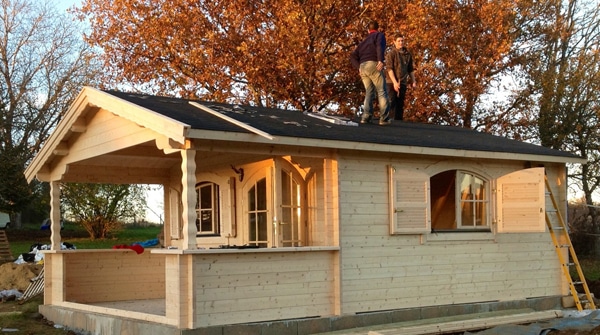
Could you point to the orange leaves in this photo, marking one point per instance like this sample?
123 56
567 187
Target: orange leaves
272 51
291 52
462 45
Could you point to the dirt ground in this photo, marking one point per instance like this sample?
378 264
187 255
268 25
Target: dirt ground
17 276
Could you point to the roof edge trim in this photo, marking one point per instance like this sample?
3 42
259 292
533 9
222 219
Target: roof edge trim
231 120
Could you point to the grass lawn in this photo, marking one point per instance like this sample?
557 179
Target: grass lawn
21 240
590 267
24 318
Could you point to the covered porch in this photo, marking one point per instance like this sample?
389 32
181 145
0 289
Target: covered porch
179 289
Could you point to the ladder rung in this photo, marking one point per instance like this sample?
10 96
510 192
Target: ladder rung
577 282
564 246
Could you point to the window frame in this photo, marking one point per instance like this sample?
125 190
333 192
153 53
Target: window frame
459 202
214 209
295 227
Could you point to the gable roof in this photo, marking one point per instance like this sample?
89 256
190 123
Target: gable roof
397 137
179 120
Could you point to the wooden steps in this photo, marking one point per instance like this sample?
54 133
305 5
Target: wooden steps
5 254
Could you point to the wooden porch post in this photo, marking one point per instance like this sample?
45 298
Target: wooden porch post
55 238
188 197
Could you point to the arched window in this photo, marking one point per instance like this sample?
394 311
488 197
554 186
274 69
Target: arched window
207 209
459 201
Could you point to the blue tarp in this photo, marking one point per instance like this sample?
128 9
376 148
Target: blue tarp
148 243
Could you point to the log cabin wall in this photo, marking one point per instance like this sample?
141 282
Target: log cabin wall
259 286
382 271
115 275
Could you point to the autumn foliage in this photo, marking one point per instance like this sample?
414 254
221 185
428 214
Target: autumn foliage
274 53
295 54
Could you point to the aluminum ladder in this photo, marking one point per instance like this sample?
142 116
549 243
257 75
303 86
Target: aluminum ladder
560 238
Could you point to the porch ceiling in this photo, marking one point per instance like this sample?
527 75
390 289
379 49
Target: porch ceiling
140 164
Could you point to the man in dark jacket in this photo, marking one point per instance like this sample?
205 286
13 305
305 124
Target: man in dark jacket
368 58
399 64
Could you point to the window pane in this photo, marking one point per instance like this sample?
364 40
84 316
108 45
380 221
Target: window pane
207 208
295 193
443 200
286 225
466 214
480 210
206 220
261 194
206 197
286 198
262 226
252 199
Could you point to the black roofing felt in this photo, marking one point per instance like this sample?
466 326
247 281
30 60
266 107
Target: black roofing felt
285 123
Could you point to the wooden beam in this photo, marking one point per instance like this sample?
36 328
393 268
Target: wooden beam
116 175
78 126
62 149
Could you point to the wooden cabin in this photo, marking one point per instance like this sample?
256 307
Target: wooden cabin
290 222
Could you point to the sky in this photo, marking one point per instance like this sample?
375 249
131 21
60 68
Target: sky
64 4
154 198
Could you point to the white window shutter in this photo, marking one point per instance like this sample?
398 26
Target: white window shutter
409 202
521 201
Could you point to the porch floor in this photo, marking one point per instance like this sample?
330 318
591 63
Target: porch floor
147 306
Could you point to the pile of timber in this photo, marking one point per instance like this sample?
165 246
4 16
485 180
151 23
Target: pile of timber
36 287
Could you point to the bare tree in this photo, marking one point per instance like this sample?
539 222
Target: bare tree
43 64
567 78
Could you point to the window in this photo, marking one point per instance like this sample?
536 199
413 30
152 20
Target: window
207 209
257 214
291 210
473 201
459 201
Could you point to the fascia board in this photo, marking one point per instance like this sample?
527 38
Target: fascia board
381 148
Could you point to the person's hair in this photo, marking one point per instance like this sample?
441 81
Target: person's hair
373 25
397 36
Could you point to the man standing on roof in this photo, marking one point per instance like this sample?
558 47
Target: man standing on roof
399 64
368 58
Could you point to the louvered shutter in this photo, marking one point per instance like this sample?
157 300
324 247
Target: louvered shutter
409 202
